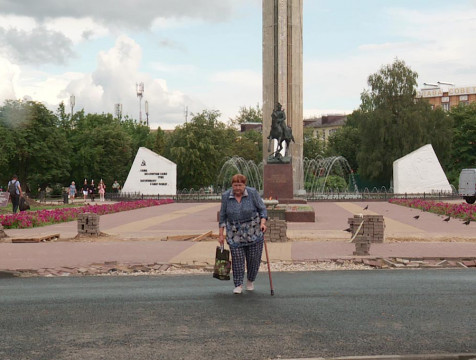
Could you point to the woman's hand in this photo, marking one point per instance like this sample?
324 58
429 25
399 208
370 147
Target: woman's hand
263 226
221 239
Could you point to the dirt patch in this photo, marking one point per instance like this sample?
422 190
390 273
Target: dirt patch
433 239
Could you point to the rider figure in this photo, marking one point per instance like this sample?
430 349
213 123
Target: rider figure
280 116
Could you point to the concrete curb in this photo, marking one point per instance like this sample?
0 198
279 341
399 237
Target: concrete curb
116 268
398 357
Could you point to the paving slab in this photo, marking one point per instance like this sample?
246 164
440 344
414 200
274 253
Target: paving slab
136 237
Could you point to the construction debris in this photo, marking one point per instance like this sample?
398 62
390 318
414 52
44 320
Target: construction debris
208 236
36 239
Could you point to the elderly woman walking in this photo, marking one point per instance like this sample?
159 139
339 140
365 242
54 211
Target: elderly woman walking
244 215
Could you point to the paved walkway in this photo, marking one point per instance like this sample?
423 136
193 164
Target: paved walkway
135 237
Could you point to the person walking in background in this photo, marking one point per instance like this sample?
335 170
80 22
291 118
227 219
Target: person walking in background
101 190
72 191
116 187
92 190
244 215
85 189
14 188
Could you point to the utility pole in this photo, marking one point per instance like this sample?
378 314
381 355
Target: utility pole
72 101
118 111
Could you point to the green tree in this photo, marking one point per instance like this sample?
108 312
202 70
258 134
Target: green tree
247 114
248 145
199 148
41 153
102 149
344 142
391 124
463 152
139 135
158 141
312 146
7 149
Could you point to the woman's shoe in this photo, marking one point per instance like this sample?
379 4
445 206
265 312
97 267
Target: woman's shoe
238 290
250 286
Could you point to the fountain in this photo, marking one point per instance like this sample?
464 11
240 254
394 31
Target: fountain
318 171
238 165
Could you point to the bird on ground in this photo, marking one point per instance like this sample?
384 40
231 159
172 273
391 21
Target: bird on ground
467 222
348 230
365 208
416 217
447 219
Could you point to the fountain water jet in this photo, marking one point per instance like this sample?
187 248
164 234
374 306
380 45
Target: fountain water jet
317 172
238 165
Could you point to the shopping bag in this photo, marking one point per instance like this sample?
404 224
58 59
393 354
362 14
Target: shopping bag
24 204
222 268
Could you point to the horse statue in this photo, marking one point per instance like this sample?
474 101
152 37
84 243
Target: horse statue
279 131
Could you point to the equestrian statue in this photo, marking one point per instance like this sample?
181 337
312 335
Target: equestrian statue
281 132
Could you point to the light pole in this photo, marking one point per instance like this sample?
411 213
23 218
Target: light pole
147 112
140 93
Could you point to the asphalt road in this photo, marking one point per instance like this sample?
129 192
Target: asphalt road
312 314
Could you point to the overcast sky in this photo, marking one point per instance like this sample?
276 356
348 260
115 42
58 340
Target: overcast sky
206 54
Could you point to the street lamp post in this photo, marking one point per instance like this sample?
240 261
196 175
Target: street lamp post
140 93
147 112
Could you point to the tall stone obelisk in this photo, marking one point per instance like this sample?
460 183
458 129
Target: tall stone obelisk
282 75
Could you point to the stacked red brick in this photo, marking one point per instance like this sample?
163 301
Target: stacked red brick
277 230
371 231
88 224
2 233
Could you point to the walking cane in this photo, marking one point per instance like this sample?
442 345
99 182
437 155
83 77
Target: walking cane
269 269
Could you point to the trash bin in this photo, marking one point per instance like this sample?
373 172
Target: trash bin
65 197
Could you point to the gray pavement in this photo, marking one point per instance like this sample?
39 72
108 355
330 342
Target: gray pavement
323 314
135 237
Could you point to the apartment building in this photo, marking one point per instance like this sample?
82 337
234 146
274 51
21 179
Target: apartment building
324 126
448 97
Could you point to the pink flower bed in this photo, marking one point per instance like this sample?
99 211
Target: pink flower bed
29 219
463 210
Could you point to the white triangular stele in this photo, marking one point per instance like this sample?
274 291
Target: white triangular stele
419 172
151 174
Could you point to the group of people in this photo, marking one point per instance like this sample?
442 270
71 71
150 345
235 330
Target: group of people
90 190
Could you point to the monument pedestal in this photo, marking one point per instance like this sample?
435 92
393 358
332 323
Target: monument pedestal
278 185
278 181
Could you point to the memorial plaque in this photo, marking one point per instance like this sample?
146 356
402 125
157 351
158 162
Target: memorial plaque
4 196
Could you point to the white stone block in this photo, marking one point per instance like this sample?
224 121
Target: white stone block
419 172
151 174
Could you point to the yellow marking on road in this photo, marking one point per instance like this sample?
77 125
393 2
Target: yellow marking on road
145 223
391 225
